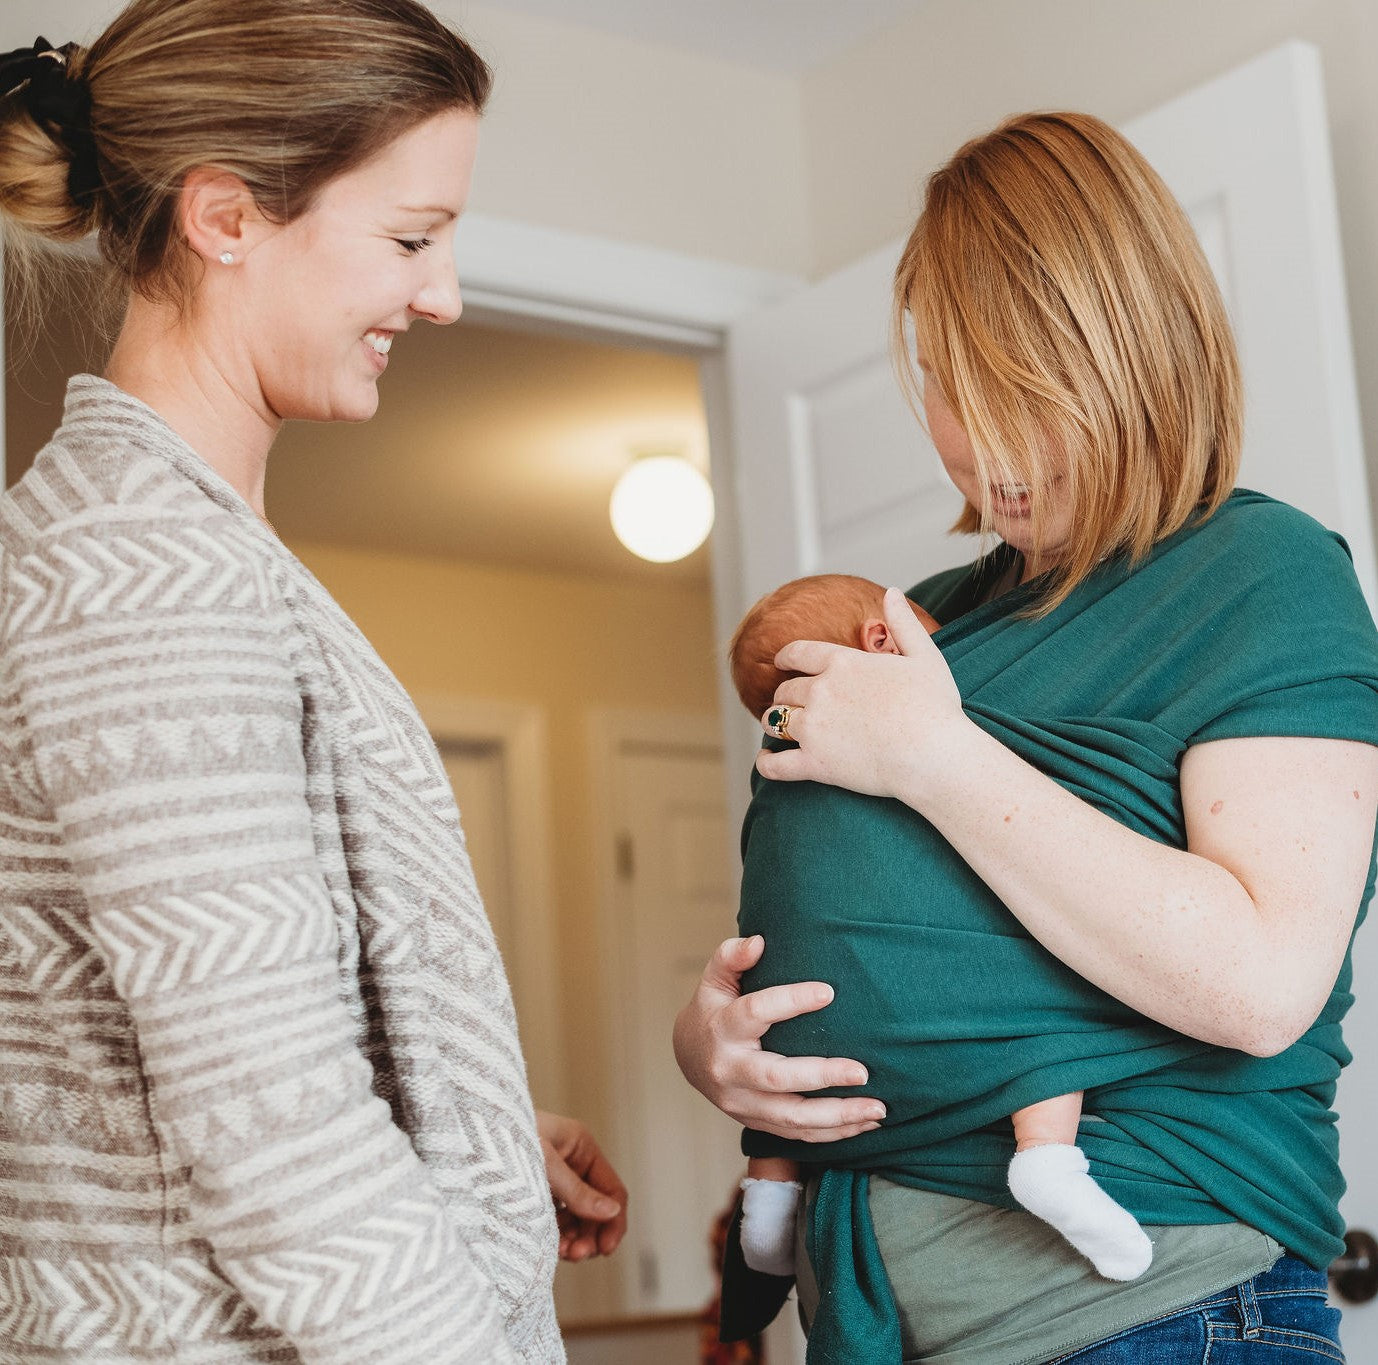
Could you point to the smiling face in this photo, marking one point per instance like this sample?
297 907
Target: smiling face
1080 345
1008 505
324 295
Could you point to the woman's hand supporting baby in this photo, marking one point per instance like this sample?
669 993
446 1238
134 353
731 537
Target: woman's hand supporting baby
873 723
718 1047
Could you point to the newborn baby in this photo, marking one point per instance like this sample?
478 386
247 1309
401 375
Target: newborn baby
1048 1175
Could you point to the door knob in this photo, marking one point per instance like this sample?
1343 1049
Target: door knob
1355 1274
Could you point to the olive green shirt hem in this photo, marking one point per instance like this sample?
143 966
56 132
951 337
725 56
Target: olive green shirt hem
981 1285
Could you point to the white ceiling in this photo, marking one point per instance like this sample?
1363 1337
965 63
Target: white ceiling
789 36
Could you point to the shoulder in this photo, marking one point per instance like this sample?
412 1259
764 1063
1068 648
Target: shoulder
1280 640
112 465
71 486
122 536
1262 569
1260 534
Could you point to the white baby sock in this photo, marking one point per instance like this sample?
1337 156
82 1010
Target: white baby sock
1053 1182
768 1224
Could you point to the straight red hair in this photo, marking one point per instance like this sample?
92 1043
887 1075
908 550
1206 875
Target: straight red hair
1062 302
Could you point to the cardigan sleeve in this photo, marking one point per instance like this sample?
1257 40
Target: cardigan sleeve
152 664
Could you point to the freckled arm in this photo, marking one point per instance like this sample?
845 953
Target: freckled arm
1236 940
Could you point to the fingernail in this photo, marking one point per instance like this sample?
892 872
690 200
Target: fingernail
606 1208
870 1128
857 1077
825 994
877 1113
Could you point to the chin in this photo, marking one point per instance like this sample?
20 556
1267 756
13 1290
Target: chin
359 412
354 407
357 405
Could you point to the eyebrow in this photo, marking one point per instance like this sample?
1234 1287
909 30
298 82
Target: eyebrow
431 210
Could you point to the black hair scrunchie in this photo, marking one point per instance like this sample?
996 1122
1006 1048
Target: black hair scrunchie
59 104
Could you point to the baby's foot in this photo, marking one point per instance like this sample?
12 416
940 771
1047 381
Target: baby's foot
768 1208
1053 1182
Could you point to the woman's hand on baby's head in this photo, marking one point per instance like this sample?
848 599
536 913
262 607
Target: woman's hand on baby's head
877 639
868 722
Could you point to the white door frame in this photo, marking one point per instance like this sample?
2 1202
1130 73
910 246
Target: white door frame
515 272
518 730
625 289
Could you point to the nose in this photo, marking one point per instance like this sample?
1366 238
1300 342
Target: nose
439 300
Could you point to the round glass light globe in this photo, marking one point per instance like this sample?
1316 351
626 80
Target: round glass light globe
662 508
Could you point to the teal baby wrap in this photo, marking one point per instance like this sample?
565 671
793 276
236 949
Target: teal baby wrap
1248 624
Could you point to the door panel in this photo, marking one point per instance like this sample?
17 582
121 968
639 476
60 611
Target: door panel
1248 156
834 472
674 905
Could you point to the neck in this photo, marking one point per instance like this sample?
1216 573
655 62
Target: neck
162 359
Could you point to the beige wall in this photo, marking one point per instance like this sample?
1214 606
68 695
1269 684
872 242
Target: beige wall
592 133
879 118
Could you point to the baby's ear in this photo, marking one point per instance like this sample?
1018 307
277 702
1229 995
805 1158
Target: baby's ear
876 638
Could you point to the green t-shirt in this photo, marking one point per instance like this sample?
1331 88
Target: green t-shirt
1250 623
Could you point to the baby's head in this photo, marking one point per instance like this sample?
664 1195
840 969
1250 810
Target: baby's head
837 607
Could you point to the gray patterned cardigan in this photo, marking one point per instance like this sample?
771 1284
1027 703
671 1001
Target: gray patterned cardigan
261 1097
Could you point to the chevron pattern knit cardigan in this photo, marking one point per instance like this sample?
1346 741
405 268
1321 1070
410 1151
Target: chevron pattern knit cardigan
261 1096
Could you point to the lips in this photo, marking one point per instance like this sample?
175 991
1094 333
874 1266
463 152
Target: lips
1010 499
377 343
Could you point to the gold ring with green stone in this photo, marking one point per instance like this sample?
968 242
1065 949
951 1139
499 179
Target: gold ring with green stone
777 722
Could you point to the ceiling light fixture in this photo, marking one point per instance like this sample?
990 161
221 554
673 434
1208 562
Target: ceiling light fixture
662 508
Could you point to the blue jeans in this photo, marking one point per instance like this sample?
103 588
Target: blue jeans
1277 1317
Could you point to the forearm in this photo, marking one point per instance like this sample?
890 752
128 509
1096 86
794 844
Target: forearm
1174 935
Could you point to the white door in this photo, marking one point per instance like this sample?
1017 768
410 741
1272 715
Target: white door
834 473
675 905
478 776
493 757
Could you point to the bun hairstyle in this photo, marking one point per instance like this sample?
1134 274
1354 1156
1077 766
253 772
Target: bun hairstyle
286 94
1066 312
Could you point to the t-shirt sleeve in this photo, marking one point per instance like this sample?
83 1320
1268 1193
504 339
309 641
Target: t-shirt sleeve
1289 643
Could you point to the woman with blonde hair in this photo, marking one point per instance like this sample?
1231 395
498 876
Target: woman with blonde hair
262 1095
1138 763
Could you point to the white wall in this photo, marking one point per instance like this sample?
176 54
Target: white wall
879 118
601 135
612 137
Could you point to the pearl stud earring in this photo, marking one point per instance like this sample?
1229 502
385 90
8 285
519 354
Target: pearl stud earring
227 258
